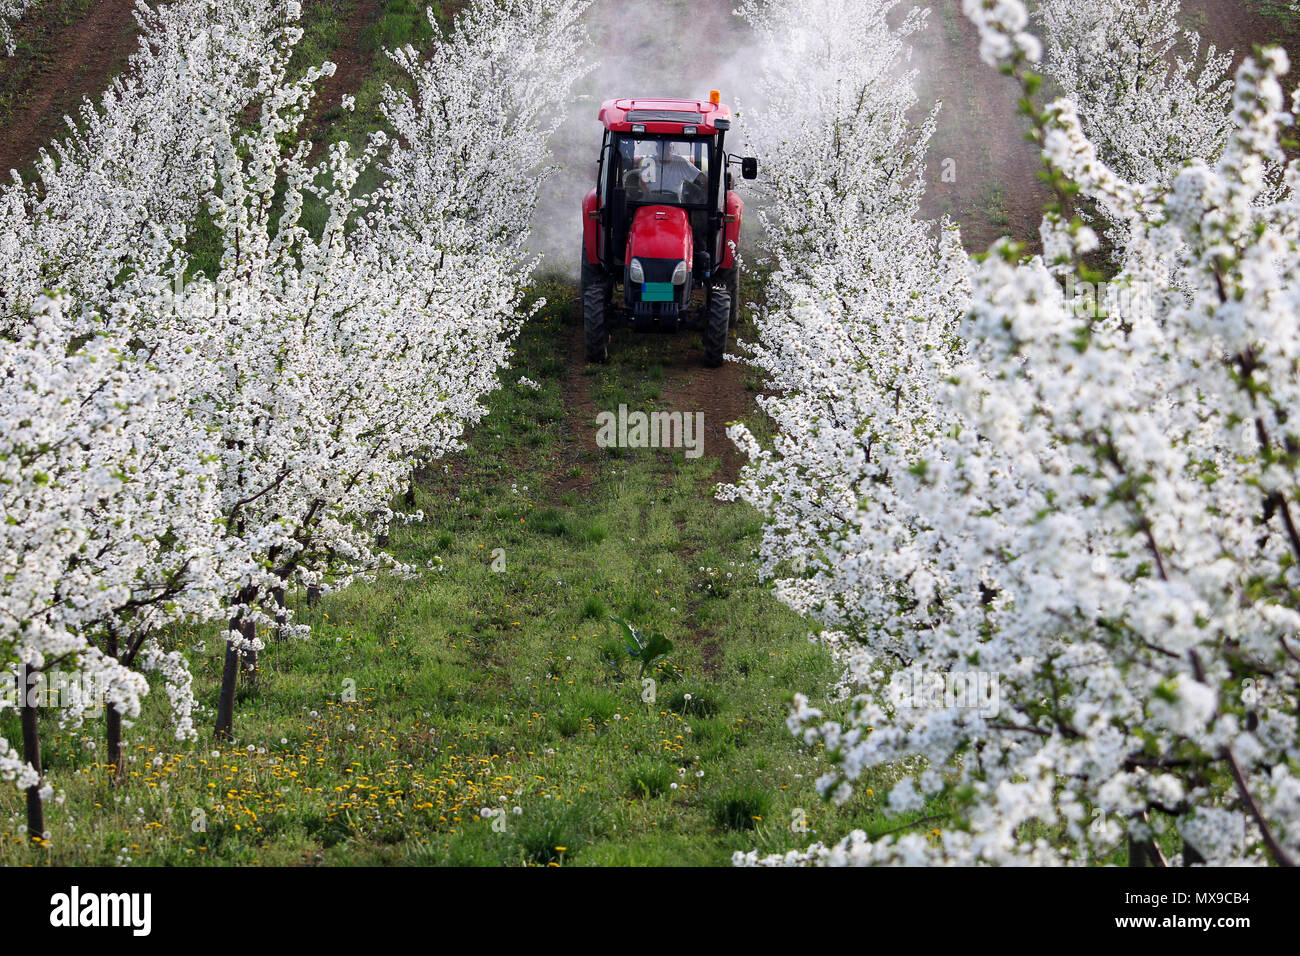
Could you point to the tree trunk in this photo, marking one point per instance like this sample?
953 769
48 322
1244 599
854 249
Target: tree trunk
410 491
229 678
281 617
226 702
1145 853
32 754
113 726
1137 853
247 655
113 736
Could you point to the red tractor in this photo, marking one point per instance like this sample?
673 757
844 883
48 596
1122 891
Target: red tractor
663 222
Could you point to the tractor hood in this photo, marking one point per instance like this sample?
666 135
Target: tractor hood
660 232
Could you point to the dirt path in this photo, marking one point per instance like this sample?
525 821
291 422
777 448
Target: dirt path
719 393
580 449
351 69
980 171
83 55
1235 25
688 387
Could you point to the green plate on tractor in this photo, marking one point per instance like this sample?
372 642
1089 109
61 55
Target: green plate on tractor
657 292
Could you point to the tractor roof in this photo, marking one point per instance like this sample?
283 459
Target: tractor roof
663 116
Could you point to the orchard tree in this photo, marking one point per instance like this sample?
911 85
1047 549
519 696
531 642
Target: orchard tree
861 316
104 214
1148 102
127 181
104 519
340 356
1108 543
464 183
304 374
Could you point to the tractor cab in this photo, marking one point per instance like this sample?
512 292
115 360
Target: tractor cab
662 223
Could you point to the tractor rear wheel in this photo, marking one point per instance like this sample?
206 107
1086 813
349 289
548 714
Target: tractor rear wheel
733 289
717 320
597 291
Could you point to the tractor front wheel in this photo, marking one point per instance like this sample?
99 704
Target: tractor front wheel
597 291
716 322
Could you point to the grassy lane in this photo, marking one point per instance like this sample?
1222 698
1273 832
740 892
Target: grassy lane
476 688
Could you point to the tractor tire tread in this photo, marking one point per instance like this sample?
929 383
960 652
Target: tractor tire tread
716 323
595 311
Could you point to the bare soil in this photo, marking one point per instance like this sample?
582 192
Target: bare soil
351 68
1235 25
993 188
79 59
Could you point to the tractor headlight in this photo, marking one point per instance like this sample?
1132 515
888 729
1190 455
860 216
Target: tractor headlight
635 272
680 273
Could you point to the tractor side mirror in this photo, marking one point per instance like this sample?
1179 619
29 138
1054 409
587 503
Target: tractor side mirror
749 167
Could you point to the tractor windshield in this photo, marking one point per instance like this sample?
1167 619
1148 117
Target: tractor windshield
665 170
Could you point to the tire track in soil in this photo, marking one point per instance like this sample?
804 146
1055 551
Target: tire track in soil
719 393
580 449
688 387
996 190
723 398
351 67
85 55
1236 25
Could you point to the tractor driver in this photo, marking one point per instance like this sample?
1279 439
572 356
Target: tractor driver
679 172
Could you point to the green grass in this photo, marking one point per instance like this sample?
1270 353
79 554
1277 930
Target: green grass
995 205
1281 11
479 689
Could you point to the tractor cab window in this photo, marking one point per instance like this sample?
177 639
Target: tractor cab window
664 171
